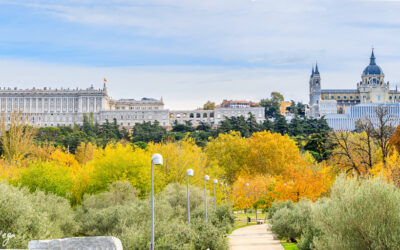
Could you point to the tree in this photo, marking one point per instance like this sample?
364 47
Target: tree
16 137
252 195
298 182
272 108
270 153
353 151
280 125
209 105
229 152
148 132
395 139
277 97
381 130
182 127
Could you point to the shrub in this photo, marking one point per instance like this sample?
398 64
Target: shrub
360 214
33 216
278 205
294 222
283 224
47 176
128 218
121 162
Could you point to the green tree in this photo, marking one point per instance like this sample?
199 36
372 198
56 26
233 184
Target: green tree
148 132
209 105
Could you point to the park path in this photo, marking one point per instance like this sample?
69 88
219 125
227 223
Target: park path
253 238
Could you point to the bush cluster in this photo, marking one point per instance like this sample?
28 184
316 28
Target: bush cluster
359 214
116 212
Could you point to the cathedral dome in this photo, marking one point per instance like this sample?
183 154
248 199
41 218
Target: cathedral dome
372 68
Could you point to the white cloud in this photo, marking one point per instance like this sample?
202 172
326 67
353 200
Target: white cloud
280 37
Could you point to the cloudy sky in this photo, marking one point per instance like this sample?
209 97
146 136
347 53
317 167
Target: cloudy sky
191 51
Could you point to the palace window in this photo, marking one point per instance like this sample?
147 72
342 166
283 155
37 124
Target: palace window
344 97
351 97
332 97
338 97
357 97
326 97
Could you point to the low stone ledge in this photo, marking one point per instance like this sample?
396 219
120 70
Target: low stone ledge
77 243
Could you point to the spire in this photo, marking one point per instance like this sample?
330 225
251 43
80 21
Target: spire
312 71
316 68
372 59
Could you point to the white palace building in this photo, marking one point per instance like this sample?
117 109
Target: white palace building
49 107
342 108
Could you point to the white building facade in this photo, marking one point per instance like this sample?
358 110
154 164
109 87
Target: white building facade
65 107
347 121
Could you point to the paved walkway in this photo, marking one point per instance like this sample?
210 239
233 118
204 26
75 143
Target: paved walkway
253 238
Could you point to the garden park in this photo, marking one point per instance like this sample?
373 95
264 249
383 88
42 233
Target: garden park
326 190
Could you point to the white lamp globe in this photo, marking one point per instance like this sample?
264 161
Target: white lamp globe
157 159
190 172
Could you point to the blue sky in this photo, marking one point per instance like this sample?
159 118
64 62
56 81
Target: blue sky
192 51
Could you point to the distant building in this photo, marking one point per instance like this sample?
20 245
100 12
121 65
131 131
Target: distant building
236 104
338 105
347 121
65 107
284 106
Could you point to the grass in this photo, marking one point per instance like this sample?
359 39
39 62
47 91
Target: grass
240 219
240 215
289 246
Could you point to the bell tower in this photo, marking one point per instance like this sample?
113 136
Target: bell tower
315 86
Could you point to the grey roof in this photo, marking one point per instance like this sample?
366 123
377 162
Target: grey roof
372 68
350 91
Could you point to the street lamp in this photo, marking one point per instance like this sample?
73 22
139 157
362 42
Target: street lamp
156 159
215 203
189 172
247 208
206 178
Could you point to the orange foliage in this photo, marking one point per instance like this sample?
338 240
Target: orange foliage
243 195
390 171
302 182
395 139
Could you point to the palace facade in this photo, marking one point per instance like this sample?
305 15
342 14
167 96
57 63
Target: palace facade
49 107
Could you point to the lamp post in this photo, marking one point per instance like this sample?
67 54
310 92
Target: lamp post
215 203
189 172
156 159
247 207
206 178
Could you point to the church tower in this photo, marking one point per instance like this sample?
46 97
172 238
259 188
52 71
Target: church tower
315 86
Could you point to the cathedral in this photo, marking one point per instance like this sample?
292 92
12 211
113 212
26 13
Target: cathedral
371 89
342 108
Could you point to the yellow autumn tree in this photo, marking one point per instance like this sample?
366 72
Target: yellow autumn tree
16 136
271 153
390 171
257 188
229 152
181 156
354 152
85 152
